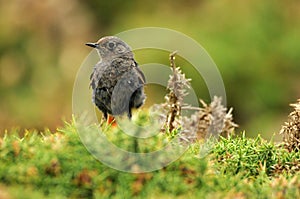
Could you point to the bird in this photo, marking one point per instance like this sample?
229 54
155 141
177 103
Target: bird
117 81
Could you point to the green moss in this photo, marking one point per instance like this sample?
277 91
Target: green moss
57 165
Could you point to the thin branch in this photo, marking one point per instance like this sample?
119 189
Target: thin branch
191 108
172 59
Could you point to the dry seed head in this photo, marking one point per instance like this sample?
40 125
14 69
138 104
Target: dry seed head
177 86
291 129
212 119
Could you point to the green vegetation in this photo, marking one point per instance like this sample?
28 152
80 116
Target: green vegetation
255 45
57 165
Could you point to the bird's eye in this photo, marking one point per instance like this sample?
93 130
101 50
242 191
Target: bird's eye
111 45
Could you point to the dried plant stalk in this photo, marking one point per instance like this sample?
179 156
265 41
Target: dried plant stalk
291 129
177 86
211 120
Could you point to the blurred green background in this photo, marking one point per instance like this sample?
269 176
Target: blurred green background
255 44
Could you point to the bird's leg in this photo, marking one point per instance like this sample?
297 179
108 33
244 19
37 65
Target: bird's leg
111 121
103 119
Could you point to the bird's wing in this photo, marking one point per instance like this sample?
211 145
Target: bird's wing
127 85
140 73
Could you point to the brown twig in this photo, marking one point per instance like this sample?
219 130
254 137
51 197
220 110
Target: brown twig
291 129
174 105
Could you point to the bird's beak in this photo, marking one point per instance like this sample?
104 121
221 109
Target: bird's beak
93 45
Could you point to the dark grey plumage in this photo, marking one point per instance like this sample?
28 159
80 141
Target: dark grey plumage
116 80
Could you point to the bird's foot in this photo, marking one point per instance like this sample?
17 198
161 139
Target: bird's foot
111 121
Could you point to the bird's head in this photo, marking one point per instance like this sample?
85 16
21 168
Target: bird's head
111 47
